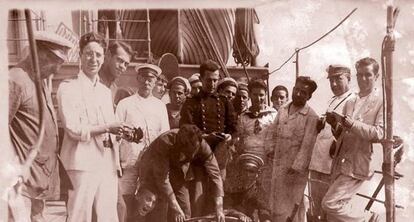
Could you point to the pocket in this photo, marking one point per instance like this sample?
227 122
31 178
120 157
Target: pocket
42 162
297 136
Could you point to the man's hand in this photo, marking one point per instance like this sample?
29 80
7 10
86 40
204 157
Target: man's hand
179 215
320 124
347 122
330 118
220 216
219 209
115 128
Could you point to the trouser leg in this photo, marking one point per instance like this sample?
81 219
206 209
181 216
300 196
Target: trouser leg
121 206
105 200
19 209
80 198
336 202
319 185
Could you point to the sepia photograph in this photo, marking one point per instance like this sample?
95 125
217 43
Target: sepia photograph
196 111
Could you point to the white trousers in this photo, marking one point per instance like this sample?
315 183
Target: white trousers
336 201
92 190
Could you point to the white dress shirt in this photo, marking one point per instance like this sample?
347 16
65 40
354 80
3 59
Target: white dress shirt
150 114
321 161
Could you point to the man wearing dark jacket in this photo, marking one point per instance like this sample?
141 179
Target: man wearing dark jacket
168 165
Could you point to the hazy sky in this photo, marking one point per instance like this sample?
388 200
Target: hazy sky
288 24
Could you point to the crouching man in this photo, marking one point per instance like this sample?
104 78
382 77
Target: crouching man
167 167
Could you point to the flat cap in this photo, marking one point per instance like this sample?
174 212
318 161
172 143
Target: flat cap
194 78
337 69
178 80
53 42
148 69
243 86
250 161
227 81
308 82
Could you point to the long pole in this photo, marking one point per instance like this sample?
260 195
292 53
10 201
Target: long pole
388 163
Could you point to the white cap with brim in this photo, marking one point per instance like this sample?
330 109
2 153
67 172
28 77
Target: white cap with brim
53 42
194 78
148 69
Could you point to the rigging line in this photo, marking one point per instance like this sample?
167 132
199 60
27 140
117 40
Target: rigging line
317 40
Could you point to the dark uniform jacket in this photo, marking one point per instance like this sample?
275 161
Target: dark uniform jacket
162 162
210 112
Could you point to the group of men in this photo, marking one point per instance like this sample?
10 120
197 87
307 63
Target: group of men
174 164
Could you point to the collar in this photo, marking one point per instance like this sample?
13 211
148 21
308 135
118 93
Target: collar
344 95
267 109
85 79
202 94
304 110
140 97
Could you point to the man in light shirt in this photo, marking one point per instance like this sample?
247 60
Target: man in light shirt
360 125
89 149
141 110
320 166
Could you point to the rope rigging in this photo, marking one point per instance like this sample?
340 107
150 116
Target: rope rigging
296 52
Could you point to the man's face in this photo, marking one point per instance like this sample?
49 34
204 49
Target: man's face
279 98
366 78
210 80
159 89
229 92
339 84
146 202
49 63
301 94
195 88
146 82
177 94
257 96
118 62
92 58
244 98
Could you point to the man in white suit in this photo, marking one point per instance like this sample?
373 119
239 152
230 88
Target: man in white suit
361 125
89 150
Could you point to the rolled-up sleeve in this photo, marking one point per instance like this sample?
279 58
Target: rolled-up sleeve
70 112
212 169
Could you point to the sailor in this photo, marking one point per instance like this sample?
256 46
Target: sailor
167 165
117 58
215 116
227 87
140 110
280 96
24 126
292 137
195 83
320 166
241 101
360 125
179 88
